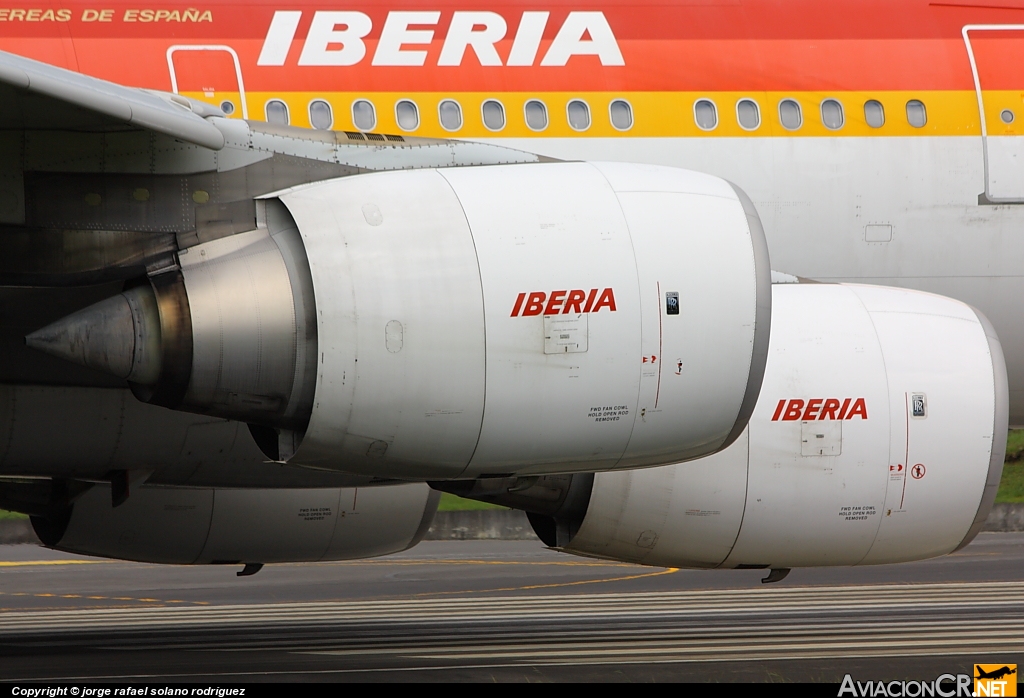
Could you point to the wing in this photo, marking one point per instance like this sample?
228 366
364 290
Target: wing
37 96
98 181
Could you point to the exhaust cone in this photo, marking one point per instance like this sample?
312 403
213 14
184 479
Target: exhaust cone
119 335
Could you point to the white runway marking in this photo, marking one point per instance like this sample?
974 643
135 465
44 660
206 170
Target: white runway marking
705 604
564 630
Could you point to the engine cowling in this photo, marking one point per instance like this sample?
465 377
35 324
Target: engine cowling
879 437
228 526
521 319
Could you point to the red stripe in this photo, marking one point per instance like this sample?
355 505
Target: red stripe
750 46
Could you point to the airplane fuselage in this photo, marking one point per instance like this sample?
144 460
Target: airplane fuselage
880 142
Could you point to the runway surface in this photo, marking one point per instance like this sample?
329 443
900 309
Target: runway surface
510 611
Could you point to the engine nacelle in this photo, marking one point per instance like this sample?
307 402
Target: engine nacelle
879 437
522 319
228 526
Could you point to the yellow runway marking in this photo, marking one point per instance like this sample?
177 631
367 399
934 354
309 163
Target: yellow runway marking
32 563
447 561
58 609
456 561
145 600
553 585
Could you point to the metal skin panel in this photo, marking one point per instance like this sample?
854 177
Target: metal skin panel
64 430
823 345
271 525
380 520
1004 158
165 525
204 526
798 510
243 323
688 513
699 247
585 226
385 248
87 432
999 431
958 384
410 275
541 229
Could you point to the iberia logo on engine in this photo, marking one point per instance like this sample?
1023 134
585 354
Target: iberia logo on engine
563 302
820 408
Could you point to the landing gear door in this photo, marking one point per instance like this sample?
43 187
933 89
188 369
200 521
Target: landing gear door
210 74
996 53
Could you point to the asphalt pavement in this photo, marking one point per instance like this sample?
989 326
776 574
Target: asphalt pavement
506 611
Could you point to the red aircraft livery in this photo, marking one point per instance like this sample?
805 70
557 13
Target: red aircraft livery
820 408
564 302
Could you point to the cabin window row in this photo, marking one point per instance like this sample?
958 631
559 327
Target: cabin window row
449 111
748 114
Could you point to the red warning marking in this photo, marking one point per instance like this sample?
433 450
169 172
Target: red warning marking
898 468
918 471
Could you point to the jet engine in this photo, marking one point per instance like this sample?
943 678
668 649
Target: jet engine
231 526
521 319
878 437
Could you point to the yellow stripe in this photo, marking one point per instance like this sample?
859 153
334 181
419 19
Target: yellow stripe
995 102
32 563
655 114
552 585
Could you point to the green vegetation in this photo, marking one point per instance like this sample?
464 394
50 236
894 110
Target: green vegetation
9 515
1015 445
1011 487
449 502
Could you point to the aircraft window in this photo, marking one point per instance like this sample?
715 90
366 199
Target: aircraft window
832 114
320 115
705 114
1007 116
451 114
227 106
536 115
789 114
579 115
748 114
874 114
494 115
621 114
364 116
277 112
916 114
407 114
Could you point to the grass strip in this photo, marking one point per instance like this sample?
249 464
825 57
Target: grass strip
449 502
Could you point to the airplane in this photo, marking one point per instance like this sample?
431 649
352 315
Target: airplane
995 673
718 285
